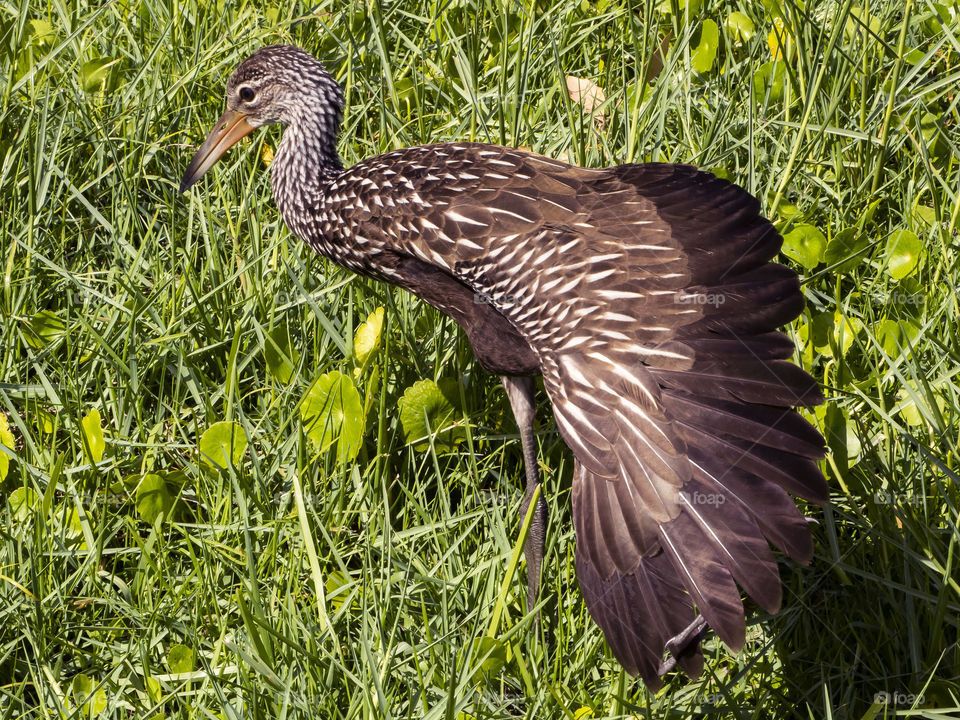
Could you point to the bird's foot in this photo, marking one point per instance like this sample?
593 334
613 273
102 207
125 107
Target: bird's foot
683 643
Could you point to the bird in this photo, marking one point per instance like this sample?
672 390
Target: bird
645 296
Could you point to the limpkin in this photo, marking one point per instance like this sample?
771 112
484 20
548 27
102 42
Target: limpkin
645 296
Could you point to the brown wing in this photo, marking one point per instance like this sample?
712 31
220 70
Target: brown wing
647 294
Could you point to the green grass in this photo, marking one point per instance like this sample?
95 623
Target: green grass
366 600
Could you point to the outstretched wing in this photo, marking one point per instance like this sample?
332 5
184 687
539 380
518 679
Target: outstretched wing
648 295
720 388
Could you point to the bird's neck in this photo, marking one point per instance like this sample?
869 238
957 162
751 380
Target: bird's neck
305 163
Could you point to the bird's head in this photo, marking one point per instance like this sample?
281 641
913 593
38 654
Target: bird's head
277 84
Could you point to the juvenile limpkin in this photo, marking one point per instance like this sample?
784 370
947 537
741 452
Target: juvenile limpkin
645 297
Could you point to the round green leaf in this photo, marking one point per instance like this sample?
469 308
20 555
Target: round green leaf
23 501
932 132
155 692
666 6
40 32
94 701
914 56
94 73
38 36
97 704
43 421
703 57
845 331
93 442
426 409
841 436
333 413
780 40
769 77
896 336
222 445
923 413
279 352
845 248
74 526
6 439
406 94
492 656
180 659
861 25
925 217
788 211
937 20
80 687
739 26
903 254
910 414
804 244
44 328
153 498
337 589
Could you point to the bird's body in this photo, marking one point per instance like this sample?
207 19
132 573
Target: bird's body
645 297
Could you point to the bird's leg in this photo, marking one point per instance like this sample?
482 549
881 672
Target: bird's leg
682 642
520 391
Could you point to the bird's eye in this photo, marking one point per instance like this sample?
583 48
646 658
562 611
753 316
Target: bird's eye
247 94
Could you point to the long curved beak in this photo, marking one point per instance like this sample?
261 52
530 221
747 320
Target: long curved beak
229 129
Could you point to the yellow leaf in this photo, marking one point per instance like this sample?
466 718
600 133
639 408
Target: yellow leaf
861 25
6 439
367 337
93 443
780 40
266 154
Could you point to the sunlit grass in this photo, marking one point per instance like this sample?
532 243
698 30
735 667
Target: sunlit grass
371 595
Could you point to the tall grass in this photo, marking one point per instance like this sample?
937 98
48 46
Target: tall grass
296 586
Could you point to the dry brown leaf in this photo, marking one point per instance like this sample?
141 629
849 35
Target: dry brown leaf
585 92
655 65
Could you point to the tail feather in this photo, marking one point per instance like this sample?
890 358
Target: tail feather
777 428
735 539
706 577
777 382
775 514
797 475
757 301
